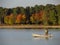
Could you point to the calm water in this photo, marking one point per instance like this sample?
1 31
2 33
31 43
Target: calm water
24 37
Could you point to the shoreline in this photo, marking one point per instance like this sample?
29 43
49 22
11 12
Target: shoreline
27 26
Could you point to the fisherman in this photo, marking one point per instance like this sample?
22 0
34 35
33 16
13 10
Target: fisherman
46 32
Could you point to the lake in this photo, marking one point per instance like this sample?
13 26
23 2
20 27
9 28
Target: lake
24 37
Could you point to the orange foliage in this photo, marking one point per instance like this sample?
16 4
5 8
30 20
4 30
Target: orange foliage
19 18
7 17
40 14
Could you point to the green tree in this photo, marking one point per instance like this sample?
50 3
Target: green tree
1 15
28 14
50 14
58 13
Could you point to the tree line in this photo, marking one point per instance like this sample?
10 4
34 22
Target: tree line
39 14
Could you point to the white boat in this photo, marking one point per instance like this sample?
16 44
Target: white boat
38 35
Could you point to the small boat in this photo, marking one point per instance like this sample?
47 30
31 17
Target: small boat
38 35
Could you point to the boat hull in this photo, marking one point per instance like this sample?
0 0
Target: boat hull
37 35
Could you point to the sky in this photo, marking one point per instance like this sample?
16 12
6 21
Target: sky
24 3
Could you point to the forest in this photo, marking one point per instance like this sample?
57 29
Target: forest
48 14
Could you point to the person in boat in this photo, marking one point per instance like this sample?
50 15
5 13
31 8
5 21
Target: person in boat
46 32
